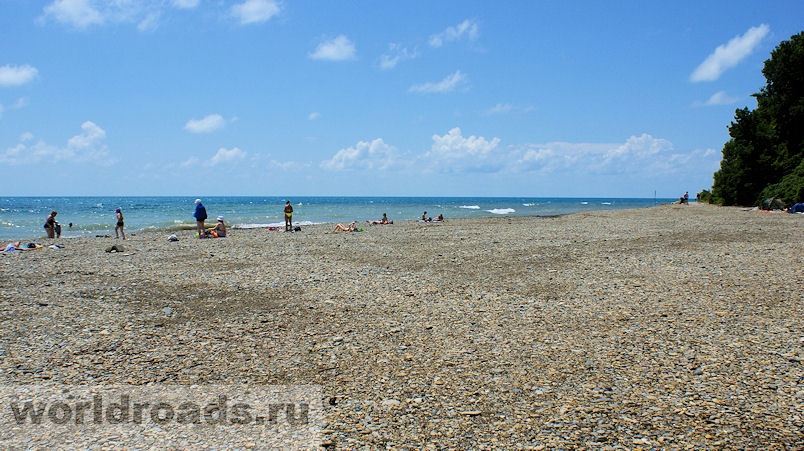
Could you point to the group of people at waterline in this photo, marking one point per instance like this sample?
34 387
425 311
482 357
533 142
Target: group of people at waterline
53 228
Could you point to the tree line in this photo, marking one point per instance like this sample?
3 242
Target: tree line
765 156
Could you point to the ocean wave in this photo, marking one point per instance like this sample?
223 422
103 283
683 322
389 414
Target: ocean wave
528 205
501 211
605 203
470 207
584 203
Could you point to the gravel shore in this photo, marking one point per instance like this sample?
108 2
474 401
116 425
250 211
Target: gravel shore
674 327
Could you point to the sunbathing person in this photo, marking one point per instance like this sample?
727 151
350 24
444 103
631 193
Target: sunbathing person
17 246
383 221
342 228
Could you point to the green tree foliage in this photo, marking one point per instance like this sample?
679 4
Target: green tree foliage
765 156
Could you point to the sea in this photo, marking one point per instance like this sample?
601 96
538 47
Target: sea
24 217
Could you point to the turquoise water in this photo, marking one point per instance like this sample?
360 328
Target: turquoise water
23 217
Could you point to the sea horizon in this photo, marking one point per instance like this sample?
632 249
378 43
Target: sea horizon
22 217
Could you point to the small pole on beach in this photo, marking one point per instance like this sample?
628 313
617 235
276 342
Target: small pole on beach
654 198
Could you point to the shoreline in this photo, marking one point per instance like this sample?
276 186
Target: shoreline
647 327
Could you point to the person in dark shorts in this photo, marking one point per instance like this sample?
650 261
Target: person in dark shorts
200 216
120 223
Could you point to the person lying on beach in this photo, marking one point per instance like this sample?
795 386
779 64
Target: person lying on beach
384 220
342 228
439 218
17 246
52 227
425 218
219 231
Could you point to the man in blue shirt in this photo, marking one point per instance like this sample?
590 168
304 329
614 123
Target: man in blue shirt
200 215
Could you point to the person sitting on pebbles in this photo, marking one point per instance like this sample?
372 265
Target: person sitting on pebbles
219 231
382 221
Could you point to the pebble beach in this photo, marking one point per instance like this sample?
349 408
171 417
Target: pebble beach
672 327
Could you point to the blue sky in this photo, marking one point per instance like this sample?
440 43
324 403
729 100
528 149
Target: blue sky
263 97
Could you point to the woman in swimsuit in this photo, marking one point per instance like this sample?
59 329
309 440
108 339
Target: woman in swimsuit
120 223
342 228
288 217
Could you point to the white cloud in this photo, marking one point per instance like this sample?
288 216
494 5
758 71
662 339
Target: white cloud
448 84
642 154
500 108
338 49
82 14
255 11
314 115
88 146
395 54
226 156
467 29
506 108
207 124
77 13
374 155
17 75
718 98
185 4
453 152
729 55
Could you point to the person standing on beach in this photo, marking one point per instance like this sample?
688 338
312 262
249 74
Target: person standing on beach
200 215
288 217
52 227
120 223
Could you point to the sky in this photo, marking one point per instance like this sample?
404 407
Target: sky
363 98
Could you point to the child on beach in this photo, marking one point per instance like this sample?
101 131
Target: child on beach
288 217
120 223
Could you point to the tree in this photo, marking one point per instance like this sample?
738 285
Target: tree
765 155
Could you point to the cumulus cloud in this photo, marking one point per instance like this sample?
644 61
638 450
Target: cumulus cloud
338 49
374 155
207 124
718 98
448 84
453 153
395 54
17 75
730 54
87 146
467 29
255 11
226 156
